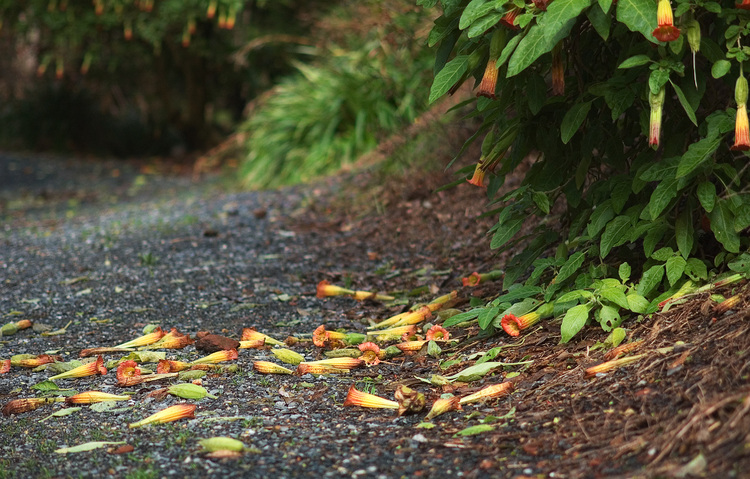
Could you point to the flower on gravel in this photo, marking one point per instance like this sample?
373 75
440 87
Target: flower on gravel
409 400
250 334
18 406
4 366
411 346
252 344
741 125
96 351
422 314
305 368
477 178
363 295
172 413
319 337
90 369
169 366
437 333
37 361
267 367
393 333
358 398
325 289
488 83
494 391
666 31
610 365
341 363
90 397
127 371
218 357
370 353
12 328
172 340
654 125
144 340
444 405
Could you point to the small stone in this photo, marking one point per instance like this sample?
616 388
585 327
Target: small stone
211 343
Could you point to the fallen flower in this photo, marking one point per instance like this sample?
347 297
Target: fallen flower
476 278
267 367
172 413
90 369
4 366
494 391
144 340
90 397
444 405
411 346
437 333
133 380
622 349
363 295
422 314
218 356
341 363
13 327
288 356
126 371
250 334
96 351
358 398
325 289
253 344
33 362
395 332
212 444
409 400
610 365
305 368
169 366
390 321
370 353
172 340
514 325
18 406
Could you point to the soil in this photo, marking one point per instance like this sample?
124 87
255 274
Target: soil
108 248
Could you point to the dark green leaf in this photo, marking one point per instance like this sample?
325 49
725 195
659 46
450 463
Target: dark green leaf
654 235
542 201
600 20
510 47
696 269
635 61
575 319
624 272
475 10
600 217
740 264
615 234
685 104
707 195
663 254
664 192
486 316
506 231
462 317
742 219
697 153
650 279
722 225
448 76
638 16
483 24
573 120
675 267
657 80
520 292
536 92
683 230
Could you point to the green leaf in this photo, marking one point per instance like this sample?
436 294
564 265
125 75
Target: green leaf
720 68
575 319
561 12
475 372
609 318
600 217
427 3
696 269
615 295
448 76
637 303
624 272
474 430
574 295
722 225
683 230
675 267
536 91
520 292
663 254
615 338
45 386
697 153
463 317
741 264
541 200
506 231
88 446
657 80
654 235
475 10
742 218
638 16
664 192
615 234
510 47
600 19
635 61
570 267
573 120
685 104
221 443
650 279
483 24
486 316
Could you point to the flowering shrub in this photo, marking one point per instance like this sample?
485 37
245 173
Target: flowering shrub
632 116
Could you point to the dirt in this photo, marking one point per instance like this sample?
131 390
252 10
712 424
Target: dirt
111 253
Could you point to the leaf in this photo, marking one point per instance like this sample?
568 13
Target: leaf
88 446
475 10
600 20
696 269
615 337
650 279
45 386
475 372
221 443
474 430
448 76
624 272
683 230
575 319
635 61
506 231
720 68
570 267
663 254
605 5
742 219
615 295
536 92
664 192
542 201
486 317
675 267
638 16
722 225
600 217
741 264
637 303
573 120
609 318
536 43
697 153
615 234
62 412
483 24
462 317
685 104
510 47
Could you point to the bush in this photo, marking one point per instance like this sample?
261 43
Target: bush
630 140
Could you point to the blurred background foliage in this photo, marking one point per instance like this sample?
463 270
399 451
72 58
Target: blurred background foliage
306 85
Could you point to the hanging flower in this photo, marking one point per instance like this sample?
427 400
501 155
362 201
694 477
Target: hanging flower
558 71
744 5
437 333
172 413
489 80
370 353
90 369
478 178
666 31
654 128
509 19
741 126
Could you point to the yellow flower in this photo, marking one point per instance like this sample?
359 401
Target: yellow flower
305 368
37 361
172 340
218 356
443 405
172 413
250 334
326 289
126 372
267 367
341 363
169 366
358 398
90 397
494 391
411 346
610 365
90 369
144 340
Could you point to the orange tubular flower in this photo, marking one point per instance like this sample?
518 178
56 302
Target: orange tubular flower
489 80
443 405
90 369
172 340
610 365
267 367
395 332
341 363
37 361
218 357
415 317
437 333
513 325
326 289
741 126
172 413
494 391
250 334
90 397
358 398
4 366
370 353
411 346
666 31
509 19
126 371
305 368
23 324
167 366
615 353
96 351
144 340
475 278
478 178
654 128
320 338
744 5
18 406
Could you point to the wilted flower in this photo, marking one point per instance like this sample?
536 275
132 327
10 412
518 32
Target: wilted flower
488 83
126 372
320 338
370 353
4 366
341 363
37 361
311 368
172 340
17 406
666 31
411 346
218 356
686 288
657 105
172 413
729 303
267 367
358 398
615 353
250 334
325 289
443 405
509 19
494 391
393 333
409 400
558 71
96 351
437 333
363 295
144 340
610 365
414 317
252 344
90 369
169 366
90 397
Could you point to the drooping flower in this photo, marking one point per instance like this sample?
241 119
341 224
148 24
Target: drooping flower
168 366
478 178
90 369
489 80
325 289
370 353
509 19
437 333
654 125
610 365
665 31
358 398
443 405
172 413
90 397
741 125
144 340
126 372
267 367
558 71
493 391
409 400
18 406
744 5
542 4
218 357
